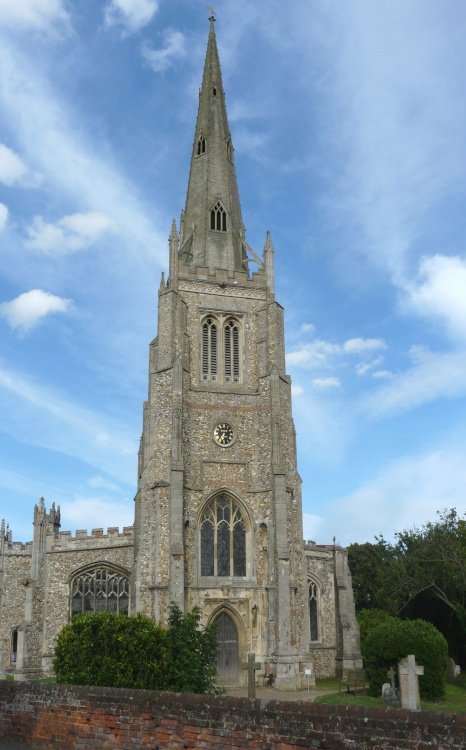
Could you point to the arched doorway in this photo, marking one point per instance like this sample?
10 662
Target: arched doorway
228 649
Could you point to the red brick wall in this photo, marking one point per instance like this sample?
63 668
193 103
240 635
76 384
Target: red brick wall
81 718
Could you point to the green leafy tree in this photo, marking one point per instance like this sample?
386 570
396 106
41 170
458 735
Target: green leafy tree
393 640
421 574
192 652
368 619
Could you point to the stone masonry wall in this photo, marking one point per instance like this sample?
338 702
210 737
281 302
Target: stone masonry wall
73 717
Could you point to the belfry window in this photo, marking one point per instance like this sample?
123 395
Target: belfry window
99 589
221 349
223 539
218 218
209 350
314 611
231 344
200 145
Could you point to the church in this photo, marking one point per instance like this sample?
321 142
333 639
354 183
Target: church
218 516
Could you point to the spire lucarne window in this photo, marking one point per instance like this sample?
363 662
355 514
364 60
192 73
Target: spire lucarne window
200 145
223 538
218 218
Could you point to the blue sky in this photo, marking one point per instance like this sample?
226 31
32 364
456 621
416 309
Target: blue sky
349 126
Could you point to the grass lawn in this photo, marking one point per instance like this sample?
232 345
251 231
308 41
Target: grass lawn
453 702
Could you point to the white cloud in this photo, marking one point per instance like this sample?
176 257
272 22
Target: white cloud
314 354
307 328
3 216
432 376
312 525
42 416
72 162
383 374
326 383
318 353
174 48
358 345
95 512
440 292
39 14
28 309
297 390
12 167
70 234
365 367
405 494
132 14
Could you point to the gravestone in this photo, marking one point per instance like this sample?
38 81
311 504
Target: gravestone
390 694
252 665
408 674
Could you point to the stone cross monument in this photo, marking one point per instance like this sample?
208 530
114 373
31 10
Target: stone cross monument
408 673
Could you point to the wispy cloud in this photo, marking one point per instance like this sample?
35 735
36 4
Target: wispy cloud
12 167
3 216
432 377
408 492
87 512
69 234
326 383
28 309
439 292
71 163
38 14
173 50
319 353
133 15
42 416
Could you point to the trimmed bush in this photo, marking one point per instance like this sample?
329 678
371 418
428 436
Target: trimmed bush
391 641
368 619
112 650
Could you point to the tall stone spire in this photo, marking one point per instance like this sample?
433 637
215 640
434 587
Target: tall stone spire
212 228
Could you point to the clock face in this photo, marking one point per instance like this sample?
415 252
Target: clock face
223 434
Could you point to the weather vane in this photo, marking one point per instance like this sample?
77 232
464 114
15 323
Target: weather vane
212 12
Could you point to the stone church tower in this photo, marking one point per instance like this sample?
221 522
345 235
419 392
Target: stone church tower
218 519
218 509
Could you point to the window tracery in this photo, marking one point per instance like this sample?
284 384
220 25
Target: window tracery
223 537
218 218
221 349
99 589
201 145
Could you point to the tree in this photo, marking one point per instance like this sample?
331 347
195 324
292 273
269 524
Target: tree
425 564
192 652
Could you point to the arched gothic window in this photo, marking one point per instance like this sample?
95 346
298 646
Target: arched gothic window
231 345
99 589
314 611
200 145
209 350
14 646
223 538
218 218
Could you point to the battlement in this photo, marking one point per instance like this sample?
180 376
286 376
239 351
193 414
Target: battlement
96 537
221 276
18 548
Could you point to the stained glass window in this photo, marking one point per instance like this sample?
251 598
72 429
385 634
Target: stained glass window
100 589
223 539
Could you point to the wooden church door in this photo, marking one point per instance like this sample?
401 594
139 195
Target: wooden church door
228 651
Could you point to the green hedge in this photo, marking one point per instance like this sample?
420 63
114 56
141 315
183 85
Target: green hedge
389 642
119 651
